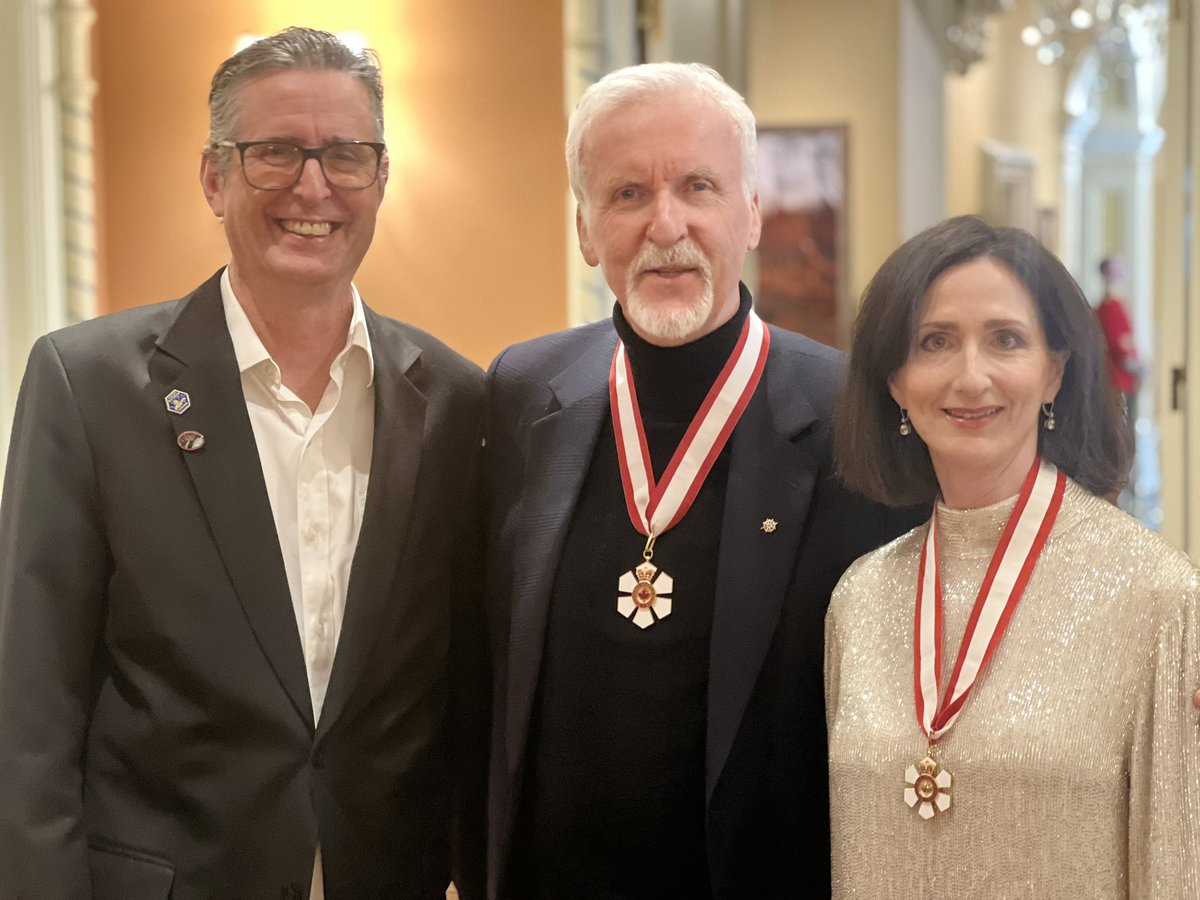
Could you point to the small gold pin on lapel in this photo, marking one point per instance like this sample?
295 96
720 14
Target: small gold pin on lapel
769 525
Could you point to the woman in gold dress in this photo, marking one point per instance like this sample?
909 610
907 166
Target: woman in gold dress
1009 686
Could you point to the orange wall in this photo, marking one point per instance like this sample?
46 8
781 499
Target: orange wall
470 243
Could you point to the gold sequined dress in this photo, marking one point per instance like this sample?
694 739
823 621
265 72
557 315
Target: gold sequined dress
1076 759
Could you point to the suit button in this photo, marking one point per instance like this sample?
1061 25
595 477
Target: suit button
293 890
318 759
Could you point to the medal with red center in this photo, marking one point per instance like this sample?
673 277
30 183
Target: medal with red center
927 786
645 591
927 783
645 596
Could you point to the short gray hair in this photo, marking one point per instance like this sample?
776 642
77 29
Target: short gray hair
292 48
634 82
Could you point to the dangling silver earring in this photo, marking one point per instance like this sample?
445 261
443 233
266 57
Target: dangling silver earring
1048 412
905 427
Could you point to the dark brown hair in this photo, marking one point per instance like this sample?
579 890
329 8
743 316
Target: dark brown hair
1092 442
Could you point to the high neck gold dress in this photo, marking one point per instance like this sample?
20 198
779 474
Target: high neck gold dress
1076 759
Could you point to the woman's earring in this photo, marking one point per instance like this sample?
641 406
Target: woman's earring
1048 412
905 427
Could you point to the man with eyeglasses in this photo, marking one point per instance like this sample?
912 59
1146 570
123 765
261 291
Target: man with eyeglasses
235 548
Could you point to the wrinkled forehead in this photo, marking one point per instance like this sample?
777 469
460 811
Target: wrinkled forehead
323 94
676 97
654 126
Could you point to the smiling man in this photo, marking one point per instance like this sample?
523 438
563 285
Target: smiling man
664 535
234 546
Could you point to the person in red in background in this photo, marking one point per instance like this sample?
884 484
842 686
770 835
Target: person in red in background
1122 353
1123 362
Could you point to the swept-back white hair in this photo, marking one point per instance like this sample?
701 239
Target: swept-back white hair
633 82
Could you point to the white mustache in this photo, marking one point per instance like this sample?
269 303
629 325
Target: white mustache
685 254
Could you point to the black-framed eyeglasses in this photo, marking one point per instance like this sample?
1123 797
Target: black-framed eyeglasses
275 165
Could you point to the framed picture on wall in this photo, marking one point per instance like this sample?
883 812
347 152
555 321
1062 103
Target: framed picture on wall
801 265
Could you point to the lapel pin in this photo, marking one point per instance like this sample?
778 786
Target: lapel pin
191 441
769 525
178 402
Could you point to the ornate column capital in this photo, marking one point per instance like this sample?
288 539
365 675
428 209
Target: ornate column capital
960 28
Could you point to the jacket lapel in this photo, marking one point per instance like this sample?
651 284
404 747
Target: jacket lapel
196 355
770 477
396 452
561 446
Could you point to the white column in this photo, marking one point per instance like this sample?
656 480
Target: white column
32 271
600 36
76 90
921 138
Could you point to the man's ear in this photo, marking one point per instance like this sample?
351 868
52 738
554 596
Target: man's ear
755 223
585 243
213 183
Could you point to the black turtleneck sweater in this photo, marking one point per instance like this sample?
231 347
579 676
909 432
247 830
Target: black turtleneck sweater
613 801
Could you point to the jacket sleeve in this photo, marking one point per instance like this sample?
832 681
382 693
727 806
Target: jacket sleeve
53 569
1164 789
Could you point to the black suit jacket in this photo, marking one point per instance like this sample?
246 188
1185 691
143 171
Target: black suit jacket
156 730
766 785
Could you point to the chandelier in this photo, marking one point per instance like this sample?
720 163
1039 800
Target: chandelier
1107 22
960 28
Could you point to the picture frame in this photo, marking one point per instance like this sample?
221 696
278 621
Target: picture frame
801 267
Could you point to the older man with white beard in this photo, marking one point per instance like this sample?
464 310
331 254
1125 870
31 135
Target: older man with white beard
663 536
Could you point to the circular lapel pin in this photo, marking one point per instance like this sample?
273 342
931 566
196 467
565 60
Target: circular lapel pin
191 441
178 402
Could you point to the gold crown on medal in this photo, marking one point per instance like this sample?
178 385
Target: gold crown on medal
644 572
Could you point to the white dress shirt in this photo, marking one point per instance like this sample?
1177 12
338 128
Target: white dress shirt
316 465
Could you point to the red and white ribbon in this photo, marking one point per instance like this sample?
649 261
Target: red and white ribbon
1007 575
657 507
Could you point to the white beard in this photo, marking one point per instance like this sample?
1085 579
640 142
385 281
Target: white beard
675 324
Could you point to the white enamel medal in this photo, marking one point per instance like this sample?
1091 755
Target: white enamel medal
645 595
927 787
